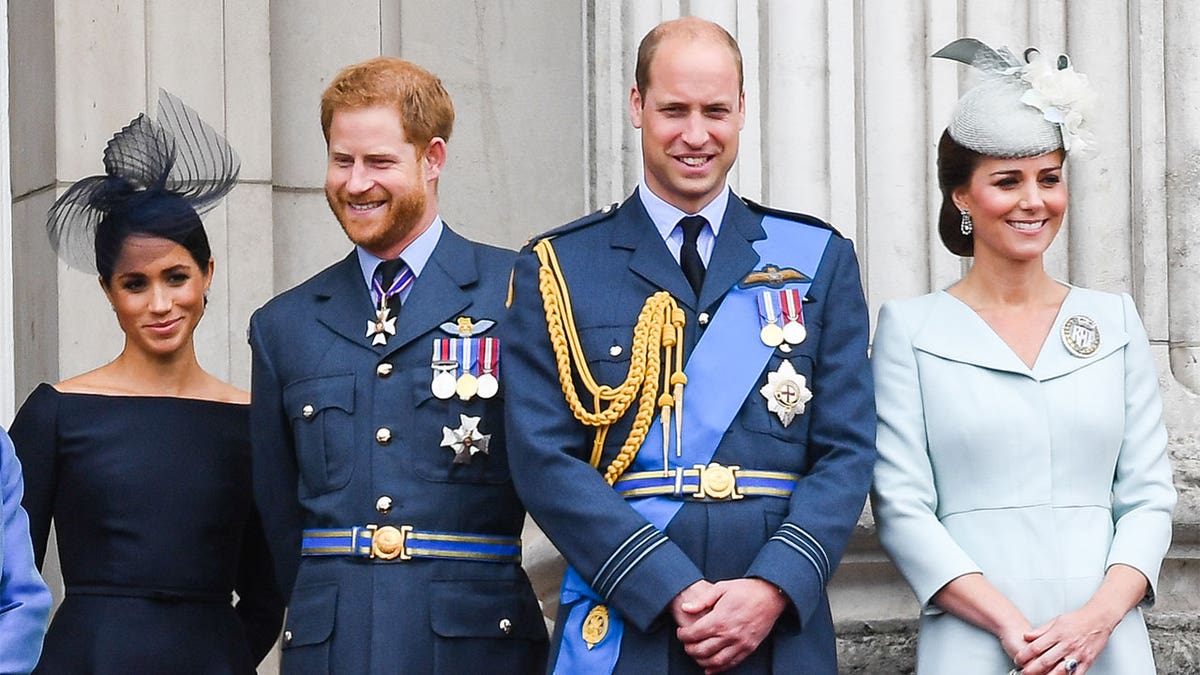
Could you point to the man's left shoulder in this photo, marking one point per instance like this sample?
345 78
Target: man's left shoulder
487 255
794 216
493 255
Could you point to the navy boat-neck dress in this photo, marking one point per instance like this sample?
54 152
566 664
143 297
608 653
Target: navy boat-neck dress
156 528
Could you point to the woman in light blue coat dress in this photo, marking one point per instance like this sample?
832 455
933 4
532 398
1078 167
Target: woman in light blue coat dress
1023 487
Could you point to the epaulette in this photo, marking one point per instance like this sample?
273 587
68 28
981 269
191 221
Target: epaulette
594 217
790 215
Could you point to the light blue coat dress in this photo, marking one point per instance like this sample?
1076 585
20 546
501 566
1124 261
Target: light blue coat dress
1039 478
24 599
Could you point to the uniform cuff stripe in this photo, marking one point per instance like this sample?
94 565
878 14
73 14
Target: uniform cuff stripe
804 553
616 582
802 538
629 553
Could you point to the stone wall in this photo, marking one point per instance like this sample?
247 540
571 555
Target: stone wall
844 108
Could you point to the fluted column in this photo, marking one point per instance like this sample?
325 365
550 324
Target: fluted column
1182 61
895 155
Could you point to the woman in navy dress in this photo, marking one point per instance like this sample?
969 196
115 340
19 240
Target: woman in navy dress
143 464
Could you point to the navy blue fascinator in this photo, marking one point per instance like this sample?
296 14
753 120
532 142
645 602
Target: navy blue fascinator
159 175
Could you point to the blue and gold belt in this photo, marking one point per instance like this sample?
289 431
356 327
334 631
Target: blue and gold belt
707 482
401 543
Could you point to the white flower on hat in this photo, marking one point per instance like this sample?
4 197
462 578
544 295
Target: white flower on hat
1063 95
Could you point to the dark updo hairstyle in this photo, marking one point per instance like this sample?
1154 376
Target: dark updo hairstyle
955 164
162 215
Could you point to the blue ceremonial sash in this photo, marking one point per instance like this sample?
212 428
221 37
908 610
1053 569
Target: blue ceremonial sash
725 365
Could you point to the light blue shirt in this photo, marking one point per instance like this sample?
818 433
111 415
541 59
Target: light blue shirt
415 255
24 599
666 220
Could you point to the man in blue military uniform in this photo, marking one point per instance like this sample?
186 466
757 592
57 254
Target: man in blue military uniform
380 465
694 428
24 598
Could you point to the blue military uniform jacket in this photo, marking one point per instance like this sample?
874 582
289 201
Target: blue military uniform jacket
24 599
612 262
349 434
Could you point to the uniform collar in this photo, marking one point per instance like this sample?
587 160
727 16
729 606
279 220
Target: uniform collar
665 216
415 255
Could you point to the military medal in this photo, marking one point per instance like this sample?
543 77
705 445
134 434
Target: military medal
466 365
595 626
794 331
489 360
1081 336
384 325
443 384
786 392
771 334
444 365
467 384
466 441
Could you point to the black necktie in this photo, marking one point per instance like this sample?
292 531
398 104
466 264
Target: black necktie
388 270
689 255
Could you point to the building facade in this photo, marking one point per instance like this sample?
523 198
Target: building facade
844 110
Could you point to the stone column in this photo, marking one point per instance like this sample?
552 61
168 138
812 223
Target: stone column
34 270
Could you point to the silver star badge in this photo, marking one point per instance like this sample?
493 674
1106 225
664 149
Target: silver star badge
465 441
381 327
786 392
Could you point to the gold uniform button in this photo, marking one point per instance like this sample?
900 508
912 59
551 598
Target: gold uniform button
702 319
383 504
308 411
506 626
287 637
383 435
383 369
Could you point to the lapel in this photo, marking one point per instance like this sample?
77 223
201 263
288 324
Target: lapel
439 294
732 257
953 331
1055 360
345 302
651 259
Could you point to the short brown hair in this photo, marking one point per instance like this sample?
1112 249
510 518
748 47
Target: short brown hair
692 28
417 94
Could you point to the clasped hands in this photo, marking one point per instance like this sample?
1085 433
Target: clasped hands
722 623
1079 635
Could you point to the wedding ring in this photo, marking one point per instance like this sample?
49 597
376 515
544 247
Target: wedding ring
1071 663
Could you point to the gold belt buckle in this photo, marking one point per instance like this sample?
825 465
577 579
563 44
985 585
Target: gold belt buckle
389 542
717 481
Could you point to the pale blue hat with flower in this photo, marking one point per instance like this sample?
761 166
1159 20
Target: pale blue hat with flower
1021 108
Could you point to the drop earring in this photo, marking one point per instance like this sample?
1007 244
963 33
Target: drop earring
967 225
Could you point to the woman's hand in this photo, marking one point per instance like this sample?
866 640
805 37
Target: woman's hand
1080 635
973 598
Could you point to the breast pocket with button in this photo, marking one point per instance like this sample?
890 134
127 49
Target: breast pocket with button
775 399
321 411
